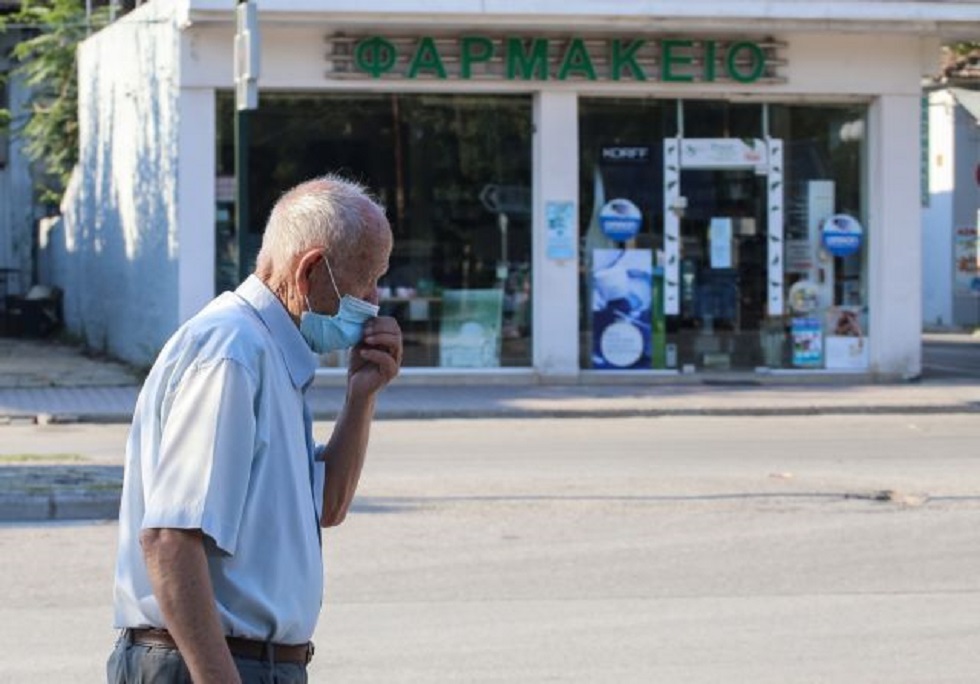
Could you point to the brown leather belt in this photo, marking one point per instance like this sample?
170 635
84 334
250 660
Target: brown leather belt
250 649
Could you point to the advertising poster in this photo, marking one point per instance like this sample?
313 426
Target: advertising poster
622 299
845 346
807 342
966 255
469 335
561 230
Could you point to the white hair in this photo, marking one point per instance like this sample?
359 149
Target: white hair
329 211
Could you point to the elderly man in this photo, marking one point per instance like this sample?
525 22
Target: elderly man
219 576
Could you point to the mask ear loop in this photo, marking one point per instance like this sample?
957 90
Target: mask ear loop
330 273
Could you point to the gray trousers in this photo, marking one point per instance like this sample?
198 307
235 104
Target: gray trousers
137 664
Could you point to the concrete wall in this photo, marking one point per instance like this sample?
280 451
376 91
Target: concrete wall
966 203
120 238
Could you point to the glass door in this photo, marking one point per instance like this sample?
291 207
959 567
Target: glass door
723 271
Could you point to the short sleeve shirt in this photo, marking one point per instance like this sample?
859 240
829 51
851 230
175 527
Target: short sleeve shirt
221 442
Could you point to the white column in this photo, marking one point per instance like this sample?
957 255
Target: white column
894 236
555 282
937 218
195 200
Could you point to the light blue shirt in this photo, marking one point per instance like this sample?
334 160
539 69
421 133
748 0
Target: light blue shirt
222 441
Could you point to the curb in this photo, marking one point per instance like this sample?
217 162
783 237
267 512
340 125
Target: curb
42 493
615 412
464 413
58 506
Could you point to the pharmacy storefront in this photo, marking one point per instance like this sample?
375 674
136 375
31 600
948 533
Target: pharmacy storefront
582 197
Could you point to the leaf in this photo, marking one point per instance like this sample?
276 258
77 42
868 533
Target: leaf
47 64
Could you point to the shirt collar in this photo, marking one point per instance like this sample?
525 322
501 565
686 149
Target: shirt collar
300 361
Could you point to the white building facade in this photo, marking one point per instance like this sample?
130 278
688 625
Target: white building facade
578 192
951 216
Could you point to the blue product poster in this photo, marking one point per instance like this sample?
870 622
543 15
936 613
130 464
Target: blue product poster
622 298
807 342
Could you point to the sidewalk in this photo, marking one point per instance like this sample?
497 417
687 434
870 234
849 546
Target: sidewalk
44 382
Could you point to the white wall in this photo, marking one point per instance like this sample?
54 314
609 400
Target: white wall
556 285
954 156
824 65
120 230
966 202
953 15
195 200
937 218
895 295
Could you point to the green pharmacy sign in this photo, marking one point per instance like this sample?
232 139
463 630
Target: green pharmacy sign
514 58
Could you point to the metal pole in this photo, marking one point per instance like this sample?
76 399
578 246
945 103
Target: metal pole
241 183
241 188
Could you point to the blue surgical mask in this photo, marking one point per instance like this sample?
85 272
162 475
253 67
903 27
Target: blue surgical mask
342 330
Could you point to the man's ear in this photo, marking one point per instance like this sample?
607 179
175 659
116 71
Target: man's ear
305 266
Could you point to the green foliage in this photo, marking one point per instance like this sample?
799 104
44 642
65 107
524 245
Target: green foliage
965 48
46 63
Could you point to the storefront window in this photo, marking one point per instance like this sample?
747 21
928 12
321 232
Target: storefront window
454 172
826 236
726 248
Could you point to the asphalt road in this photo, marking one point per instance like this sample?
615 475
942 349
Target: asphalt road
790 549
950 356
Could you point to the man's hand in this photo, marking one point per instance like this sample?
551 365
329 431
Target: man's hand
373 364
375 361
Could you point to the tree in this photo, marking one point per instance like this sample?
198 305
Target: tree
960 64
46 64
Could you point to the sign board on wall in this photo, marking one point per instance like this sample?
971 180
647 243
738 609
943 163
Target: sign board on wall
723 153
480 56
